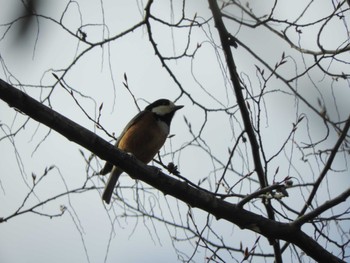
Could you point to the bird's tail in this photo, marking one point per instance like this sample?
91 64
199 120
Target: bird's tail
112 181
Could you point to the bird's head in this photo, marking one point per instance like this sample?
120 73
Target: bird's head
163 109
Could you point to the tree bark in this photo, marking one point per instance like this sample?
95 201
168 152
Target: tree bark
169 186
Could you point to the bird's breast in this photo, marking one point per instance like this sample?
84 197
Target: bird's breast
145 138
163 127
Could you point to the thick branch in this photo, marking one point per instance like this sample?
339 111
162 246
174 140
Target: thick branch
168 185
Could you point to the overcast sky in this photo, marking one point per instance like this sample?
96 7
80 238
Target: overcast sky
88 232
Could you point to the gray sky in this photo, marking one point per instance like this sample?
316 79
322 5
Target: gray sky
85 230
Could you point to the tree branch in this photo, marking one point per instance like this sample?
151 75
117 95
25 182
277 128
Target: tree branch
322 208
326 167
168 185
225 39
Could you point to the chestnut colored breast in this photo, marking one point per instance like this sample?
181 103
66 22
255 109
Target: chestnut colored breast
144 143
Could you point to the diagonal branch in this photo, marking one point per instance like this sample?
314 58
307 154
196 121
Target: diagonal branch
226 41
322 208
168 185
327 167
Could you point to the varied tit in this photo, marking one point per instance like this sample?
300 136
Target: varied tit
143 137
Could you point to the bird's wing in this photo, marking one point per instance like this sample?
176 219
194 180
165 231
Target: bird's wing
131 123
108 166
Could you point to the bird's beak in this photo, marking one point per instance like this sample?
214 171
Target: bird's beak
177 107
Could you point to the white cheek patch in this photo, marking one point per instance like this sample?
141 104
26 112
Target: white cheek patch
163 109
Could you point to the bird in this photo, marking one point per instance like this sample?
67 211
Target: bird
142 137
